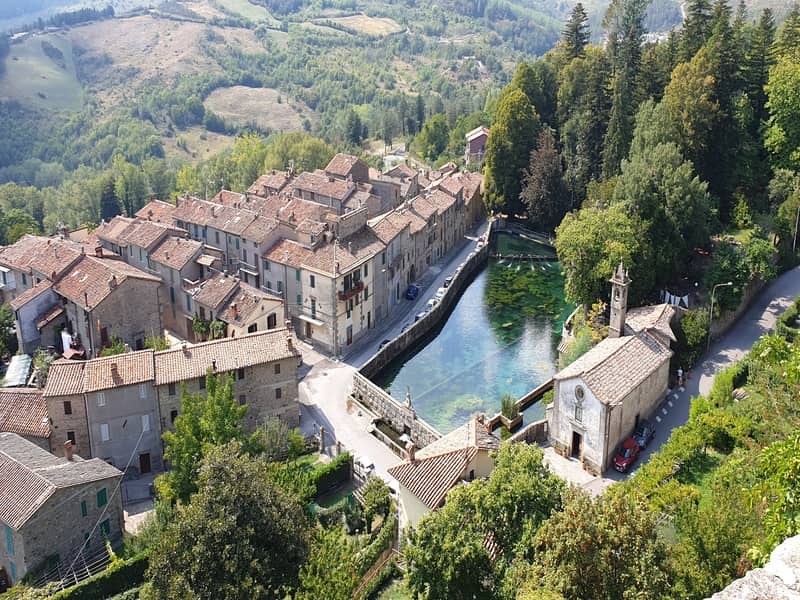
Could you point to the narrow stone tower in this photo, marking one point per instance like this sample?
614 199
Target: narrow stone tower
619 302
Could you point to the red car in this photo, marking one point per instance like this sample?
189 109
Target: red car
626 455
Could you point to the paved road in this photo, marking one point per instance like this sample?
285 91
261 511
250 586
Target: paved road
759 319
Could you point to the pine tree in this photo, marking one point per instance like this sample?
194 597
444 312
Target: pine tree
696 28
789 38
758 60
420 112
576 32
109 203
543 191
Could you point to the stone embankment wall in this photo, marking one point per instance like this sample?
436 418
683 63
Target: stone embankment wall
535 433
400 416
432 319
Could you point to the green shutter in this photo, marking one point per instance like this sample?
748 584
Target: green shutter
102 498
84 510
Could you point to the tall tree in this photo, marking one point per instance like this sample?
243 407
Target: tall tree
238 537
432 139
420 112
576 32
512 137
782 136
758 60
538 81
603 548
330 571
696 28
788 42
109 203
205 421
544 192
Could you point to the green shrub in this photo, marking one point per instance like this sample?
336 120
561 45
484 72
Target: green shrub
383 539
508 407
327 476
388 572
118 578
580 345
692 335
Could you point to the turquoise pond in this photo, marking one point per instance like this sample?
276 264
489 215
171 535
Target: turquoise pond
500 338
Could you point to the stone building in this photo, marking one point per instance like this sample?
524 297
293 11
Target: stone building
476 145
23 411
428 474
599 399
263 367
50 507
66 407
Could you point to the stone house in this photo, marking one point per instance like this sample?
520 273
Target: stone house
263 367
407 178
105 298
66 407
23 411
599 399
476 145
428 474
49 506
134 239
270 183
392 267
158 211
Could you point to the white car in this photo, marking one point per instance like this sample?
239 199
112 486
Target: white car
440 293
431 303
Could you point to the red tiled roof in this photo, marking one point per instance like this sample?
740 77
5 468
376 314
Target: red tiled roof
119 370
45 255
349 252
260 229
23 411
390 226
158 211
176 252
298 210
225 218
91 280
228 354
271 182
64 378
321 184
124 231
288 252
30 294
342 164
247 300
402 171
214 291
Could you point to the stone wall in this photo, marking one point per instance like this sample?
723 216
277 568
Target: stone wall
432 319
400 417
535 433
76 422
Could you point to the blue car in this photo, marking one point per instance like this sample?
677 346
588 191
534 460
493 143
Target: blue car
412 292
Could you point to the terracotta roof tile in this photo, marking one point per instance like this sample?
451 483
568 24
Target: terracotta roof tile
402 171
321 184
23 411
119 370
29 476
43 254
354 249
389 226
616 366
182 364
91 280
176 252
269 183
288 252
158 211
260 229
471 434
30 294
247 300
123 231
342 164
657 318
225 218
64 378
214 291
298 210
430 479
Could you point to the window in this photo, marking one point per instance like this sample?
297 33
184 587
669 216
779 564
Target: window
205 232
67 407
297 274
277 368
311 281
102 498
145 423
101 399
240 374
105 527
9 541
171 294
104 434
202 383
252 328
278 393
244 255
313 309
280 287
216 236
24 279
366 270
71 437
272 321
141 257
383 258
299 300
366 292
579 412
171 389
188 303
269 284
173 414
242 399
266 265
472 475
237 243
142 391
84 509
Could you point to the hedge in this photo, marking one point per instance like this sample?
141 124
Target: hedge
383 540
329 475
786 326
375 585
118 578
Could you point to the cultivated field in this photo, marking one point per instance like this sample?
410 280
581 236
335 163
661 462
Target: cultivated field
197 144
370 25
245 9
243 106
40 72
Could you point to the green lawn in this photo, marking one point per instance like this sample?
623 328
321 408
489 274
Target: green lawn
33 77
396 590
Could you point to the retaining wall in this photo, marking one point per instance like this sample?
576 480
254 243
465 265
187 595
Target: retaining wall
537 432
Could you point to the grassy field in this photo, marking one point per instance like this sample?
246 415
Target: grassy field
396 590
198 143
32 77
245 9
243 105
370 25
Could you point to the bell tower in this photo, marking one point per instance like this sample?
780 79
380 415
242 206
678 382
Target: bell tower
619 302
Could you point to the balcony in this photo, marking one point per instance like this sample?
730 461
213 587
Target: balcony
345 295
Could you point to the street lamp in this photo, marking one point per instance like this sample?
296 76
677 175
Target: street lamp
711 311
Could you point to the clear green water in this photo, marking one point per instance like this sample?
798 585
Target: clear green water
501 337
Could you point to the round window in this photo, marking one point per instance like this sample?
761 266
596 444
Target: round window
579 393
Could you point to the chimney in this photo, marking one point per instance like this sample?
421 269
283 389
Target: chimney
68 450
411 451
114 369
112 282
184 347
86 299
127 348
98 251
214 365
235 310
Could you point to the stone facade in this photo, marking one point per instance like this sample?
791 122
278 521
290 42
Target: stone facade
73 426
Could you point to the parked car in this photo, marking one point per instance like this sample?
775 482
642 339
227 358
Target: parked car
383 343
431 303
644 433
626 455
448 281
420 315
440 293
412 292
405 327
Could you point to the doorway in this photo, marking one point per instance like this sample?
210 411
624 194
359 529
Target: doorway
577 445
349 334
144 463
308 330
